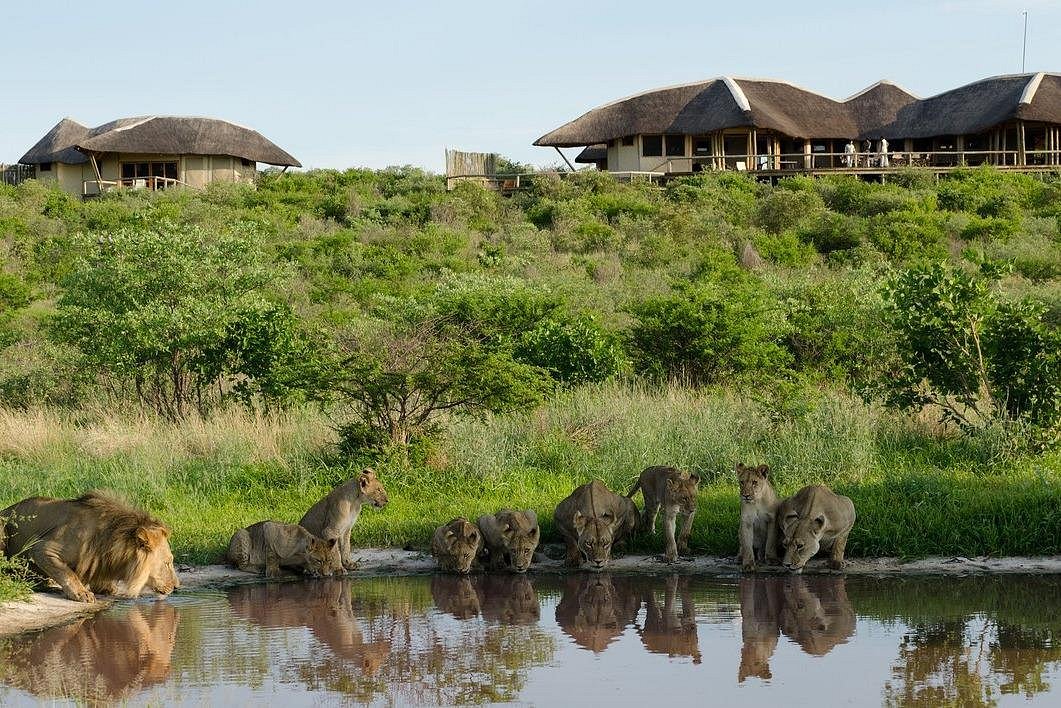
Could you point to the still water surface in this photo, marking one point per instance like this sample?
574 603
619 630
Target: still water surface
560 640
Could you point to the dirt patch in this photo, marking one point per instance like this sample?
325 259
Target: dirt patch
47 609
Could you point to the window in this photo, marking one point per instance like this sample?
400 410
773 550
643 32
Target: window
628 140
246 163
675 145
46 167
652 145
702 146
146 171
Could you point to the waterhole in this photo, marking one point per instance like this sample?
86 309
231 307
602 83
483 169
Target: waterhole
550 640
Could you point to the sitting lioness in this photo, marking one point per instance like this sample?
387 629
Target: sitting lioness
758 512
510 538
456 545
815 519
674 491
591 520
335 515
270 545
90 545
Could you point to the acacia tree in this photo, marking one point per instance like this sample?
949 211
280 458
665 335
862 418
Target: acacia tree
402 377
178 318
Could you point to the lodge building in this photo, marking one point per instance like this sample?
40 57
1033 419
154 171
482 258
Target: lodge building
774 127
150 152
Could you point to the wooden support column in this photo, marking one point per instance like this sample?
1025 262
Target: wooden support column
753 148
960 146
1021 156
808 158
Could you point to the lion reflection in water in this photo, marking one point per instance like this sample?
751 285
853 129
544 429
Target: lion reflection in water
505 599
109 657
595 609
325 607
670 628
813 612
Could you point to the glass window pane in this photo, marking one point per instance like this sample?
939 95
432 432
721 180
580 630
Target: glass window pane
652 145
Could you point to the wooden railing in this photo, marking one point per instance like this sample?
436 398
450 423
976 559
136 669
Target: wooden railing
16 174
862 161
149 183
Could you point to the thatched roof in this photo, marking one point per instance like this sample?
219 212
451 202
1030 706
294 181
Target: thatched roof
593 153
57 145
980 105
70 142
881 109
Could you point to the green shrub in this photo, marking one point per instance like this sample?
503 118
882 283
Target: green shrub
830 232
784 209
909 234
573 349
974 356
709 330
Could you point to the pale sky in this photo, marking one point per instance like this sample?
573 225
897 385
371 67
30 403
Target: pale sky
343 84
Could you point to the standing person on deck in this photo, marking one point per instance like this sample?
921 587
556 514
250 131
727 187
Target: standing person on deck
867 150
849 154
883 161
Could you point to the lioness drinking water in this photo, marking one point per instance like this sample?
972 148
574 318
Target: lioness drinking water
591 520
815 519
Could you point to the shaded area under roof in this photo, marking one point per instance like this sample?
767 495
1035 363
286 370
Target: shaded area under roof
69 142
881 109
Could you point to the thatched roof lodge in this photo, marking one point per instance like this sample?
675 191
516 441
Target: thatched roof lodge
151 152
773 126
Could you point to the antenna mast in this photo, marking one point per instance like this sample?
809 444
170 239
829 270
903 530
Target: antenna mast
1024 51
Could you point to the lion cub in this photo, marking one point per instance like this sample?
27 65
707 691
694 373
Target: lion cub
456 545
510 538
335 515
271 545
758 516
674 491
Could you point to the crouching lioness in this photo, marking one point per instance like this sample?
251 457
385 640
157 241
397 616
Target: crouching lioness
675 492
815 519
456 545
591 520
90 545
510 538
270 545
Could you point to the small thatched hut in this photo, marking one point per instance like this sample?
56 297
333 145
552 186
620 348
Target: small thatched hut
151 152
769 125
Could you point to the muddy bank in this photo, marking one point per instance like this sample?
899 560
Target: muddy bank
47 609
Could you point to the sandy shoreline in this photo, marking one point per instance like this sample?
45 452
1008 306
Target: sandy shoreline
43 610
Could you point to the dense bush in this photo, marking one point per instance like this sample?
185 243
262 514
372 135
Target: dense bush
175 317
709 330
577 279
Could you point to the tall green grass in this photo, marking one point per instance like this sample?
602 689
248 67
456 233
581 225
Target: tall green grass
917 491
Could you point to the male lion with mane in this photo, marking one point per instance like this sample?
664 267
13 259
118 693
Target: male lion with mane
90 544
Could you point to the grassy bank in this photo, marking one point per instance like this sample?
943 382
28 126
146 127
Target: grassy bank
917 492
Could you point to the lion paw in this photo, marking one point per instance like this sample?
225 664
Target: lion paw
837 564
81 596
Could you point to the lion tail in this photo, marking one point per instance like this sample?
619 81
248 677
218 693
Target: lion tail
633 489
